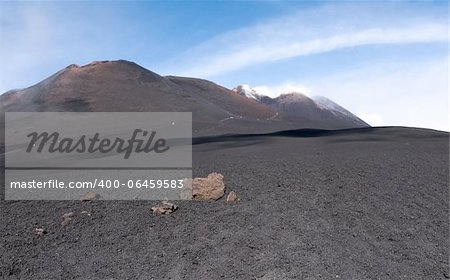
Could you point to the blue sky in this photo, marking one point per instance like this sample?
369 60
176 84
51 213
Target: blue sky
387 62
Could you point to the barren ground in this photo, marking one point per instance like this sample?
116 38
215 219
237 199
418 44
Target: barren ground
364 204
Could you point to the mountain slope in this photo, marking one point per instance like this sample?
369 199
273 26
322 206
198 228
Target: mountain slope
122 86
298 107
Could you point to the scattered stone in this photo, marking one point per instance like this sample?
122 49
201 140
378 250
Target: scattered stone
210 188
90 196
67 218
165 208
85 212
232 197
40 231
68 215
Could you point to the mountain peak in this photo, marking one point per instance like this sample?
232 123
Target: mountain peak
107 70
298 104
106 63
124 86
72 66
247 91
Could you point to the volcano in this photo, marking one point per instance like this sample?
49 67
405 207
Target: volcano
318 111
123 86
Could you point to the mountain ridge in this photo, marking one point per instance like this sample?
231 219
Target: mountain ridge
124 86
297 104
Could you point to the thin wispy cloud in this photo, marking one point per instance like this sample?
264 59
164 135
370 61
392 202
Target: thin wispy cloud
297 35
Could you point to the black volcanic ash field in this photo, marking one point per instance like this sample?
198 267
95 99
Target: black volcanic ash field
363 204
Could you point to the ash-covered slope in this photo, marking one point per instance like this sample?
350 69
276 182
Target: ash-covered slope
123 86
298 107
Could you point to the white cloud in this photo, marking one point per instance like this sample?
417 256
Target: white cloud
413 94
372 119
286 87
302 35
